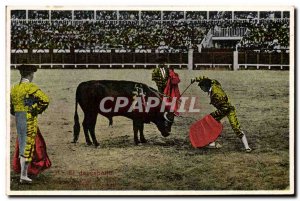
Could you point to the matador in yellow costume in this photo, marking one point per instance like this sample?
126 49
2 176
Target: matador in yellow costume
160 75
27 101
220 100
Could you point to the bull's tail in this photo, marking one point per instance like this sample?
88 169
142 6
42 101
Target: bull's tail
110 121
76 127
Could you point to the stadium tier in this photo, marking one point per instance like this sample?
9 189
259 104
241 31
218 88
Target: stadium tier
94 31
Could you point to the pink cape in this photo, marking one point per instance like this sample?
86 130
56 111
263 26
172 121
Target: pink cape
205 131
40 160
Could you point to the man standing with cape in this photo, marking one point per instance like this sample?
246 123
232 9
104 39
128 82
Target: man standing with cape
27 101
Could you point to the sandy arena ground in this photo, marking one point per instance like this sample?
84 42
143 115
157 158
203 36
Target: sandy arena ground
262 102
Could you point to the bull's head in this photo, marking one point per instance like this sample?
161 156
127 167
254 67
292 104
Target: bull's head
164 123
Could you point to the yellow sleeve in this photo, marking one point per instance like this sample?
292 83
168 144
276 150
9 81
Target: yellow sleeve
41 100
218 96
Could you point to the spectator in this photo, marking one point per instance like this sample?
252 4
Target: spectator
176 33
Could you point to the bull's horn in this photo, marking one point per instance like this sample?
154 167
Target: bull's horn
166 118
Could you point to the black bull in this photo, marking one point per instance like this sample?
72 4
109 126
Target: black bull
89 95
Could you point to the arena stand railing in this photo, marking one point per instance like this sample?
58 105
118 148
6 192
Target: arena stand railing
203 60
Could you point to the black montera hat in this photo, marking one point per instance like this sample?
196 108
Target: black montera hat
27 68
205 84
205 81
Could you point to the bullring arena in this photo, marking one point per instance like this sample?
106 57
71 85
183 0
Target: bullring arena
255 75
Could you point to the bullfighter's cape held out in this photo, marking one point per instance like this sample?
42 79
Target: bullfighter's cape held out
205 131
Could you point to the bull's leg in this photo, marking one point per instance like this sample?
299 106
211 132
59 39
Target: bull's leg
86 126
92 124
141 129
86 133
138 126
92 131
135 132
